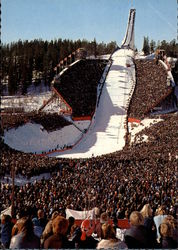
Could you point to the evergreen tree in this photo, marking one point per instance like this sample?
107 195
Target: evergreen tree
171 48
94 47
146 47
158 44
101 48
152 46
23 61
111 47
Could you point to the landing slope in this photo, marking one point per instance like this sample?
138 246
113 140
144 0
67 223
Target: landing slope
107 131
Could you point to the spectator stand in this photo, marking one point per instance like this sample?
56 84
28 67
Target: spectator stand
78 78
152 83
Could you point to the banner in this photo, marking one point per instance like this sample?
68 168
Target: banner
80 215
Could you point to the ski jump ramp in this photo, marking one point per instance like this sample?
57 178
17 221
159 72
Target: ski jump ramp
128 41
108 127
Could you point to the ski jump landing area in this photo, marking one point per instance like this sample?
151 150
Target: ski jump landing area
108 128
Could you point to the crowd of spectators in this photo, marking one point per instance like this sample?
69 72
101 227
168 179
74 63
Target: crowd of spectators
118 184
161 144
168 104
14 120
78 85
151 87
147 167
34 231
49 121
25 165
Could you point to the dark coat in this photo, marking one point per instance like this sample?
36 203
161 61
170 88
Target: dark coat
89 243
168 242
151 228
149 223
137 237
56 241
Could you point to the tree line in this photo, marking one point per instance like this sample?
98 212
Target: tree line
27 61
171 48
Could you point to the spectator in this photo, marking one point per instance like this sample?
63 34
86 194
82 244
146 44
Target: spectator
71 223
158 219
166 232
75 235
41 218
25 237
48 231
38 230
87 241
137 236
59 238
170 220
109 239
149 223
6 229
39 223
103 220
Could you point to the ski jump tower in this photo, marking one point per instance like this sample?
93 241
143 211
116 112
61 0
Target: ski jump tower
128 41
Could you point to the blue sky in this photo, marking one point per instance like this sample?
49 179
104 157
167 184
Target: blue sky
105 20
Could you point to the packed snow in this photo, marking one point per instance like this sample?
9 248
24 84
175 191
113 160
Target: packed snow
31 137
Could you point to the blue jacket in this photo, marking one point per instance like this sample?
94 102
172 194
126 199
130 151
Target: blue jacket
6 230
